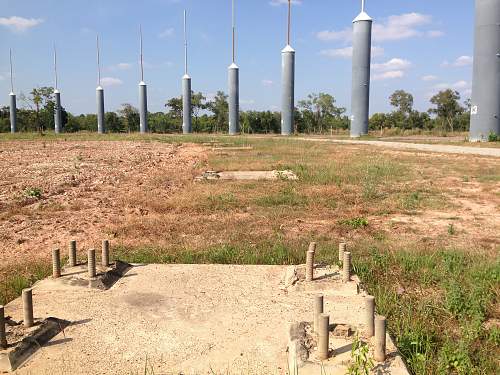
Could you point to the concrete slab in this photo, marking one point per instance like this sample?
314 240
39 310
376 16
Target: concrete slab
188 319
248 175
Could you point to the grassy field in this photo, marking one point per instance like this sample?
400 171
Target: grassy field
423 229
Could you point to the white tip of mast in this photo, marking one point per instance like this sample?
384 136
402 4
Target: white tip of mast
56 91
12 94
142 83
99 88
233 66
288 48
363 16
186 76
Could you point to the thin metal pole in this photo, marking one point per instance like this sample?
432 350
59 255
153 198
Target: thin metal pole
234 32
185 45
55 66
362 5
289 20
11 74
98 62
142 62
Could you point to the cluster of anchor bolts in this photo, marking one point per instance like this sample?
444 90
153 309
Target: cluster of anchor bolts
374 325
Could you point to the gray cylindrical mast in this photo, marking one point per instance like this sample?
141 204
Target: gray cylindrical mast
288 82
99 95
57 94
485 109
234 87
143 95
186 89
12 101
361 59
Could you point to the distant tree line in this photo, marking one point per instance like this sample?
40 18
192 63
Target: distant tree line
317 114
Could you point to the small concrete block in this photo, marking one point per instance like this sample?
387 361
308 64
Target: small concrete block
342 330
34 339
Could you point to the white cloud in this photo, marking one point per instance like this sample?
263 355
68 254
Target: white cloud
434 33
396 27
463 87
392 64
392 74
121 66
110 81
429 78
346 53
267 82
459 85
391 69
282 2
459 62
167 33
19 24
399 27
327 36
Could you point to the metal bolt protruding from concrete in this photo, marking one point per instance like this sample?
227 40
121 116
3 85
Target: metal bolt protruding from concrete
56 263
342 250
323 336
380 336
346 274
370 315
318 310
105 253
310 265
27 297
91 263
3 337
72 253
312 247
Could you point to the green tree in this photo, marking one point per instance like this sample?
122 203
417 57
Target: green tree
402 101
130 117
319 112
220 108
447 108
41 103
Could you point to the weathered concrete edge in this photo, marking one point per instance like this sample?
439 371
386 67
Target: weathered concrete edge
48 329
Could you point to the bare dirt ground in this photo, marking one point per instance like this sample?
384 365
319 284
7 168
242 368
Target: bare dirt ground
82 187
141 193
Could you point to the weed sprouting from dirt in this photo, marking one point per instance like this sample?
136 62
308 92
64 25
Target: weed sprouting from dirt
355 223
33 192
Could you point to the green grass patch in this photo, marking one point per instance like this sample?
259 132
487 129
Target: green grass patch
287 196
436 304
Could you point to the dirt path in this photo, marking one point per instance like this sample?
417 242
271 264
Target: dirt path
446 149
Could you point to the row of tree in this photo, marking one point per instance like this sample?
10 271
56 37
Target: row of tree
318 113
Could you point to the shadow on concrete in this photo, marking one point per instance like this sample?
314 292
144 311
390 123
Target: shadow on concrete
58 342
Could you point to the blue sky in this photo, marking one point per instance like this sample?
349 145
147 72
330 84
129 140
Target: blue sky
419 45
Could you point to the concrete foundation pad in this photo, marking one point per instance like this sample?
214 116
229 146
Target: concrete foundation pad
189 319
248 175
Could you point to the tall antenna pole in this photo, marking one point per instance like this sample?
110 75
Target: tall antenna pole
234 32
185 45
11 74
55 66
98 62
289 21
142 60
362 5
